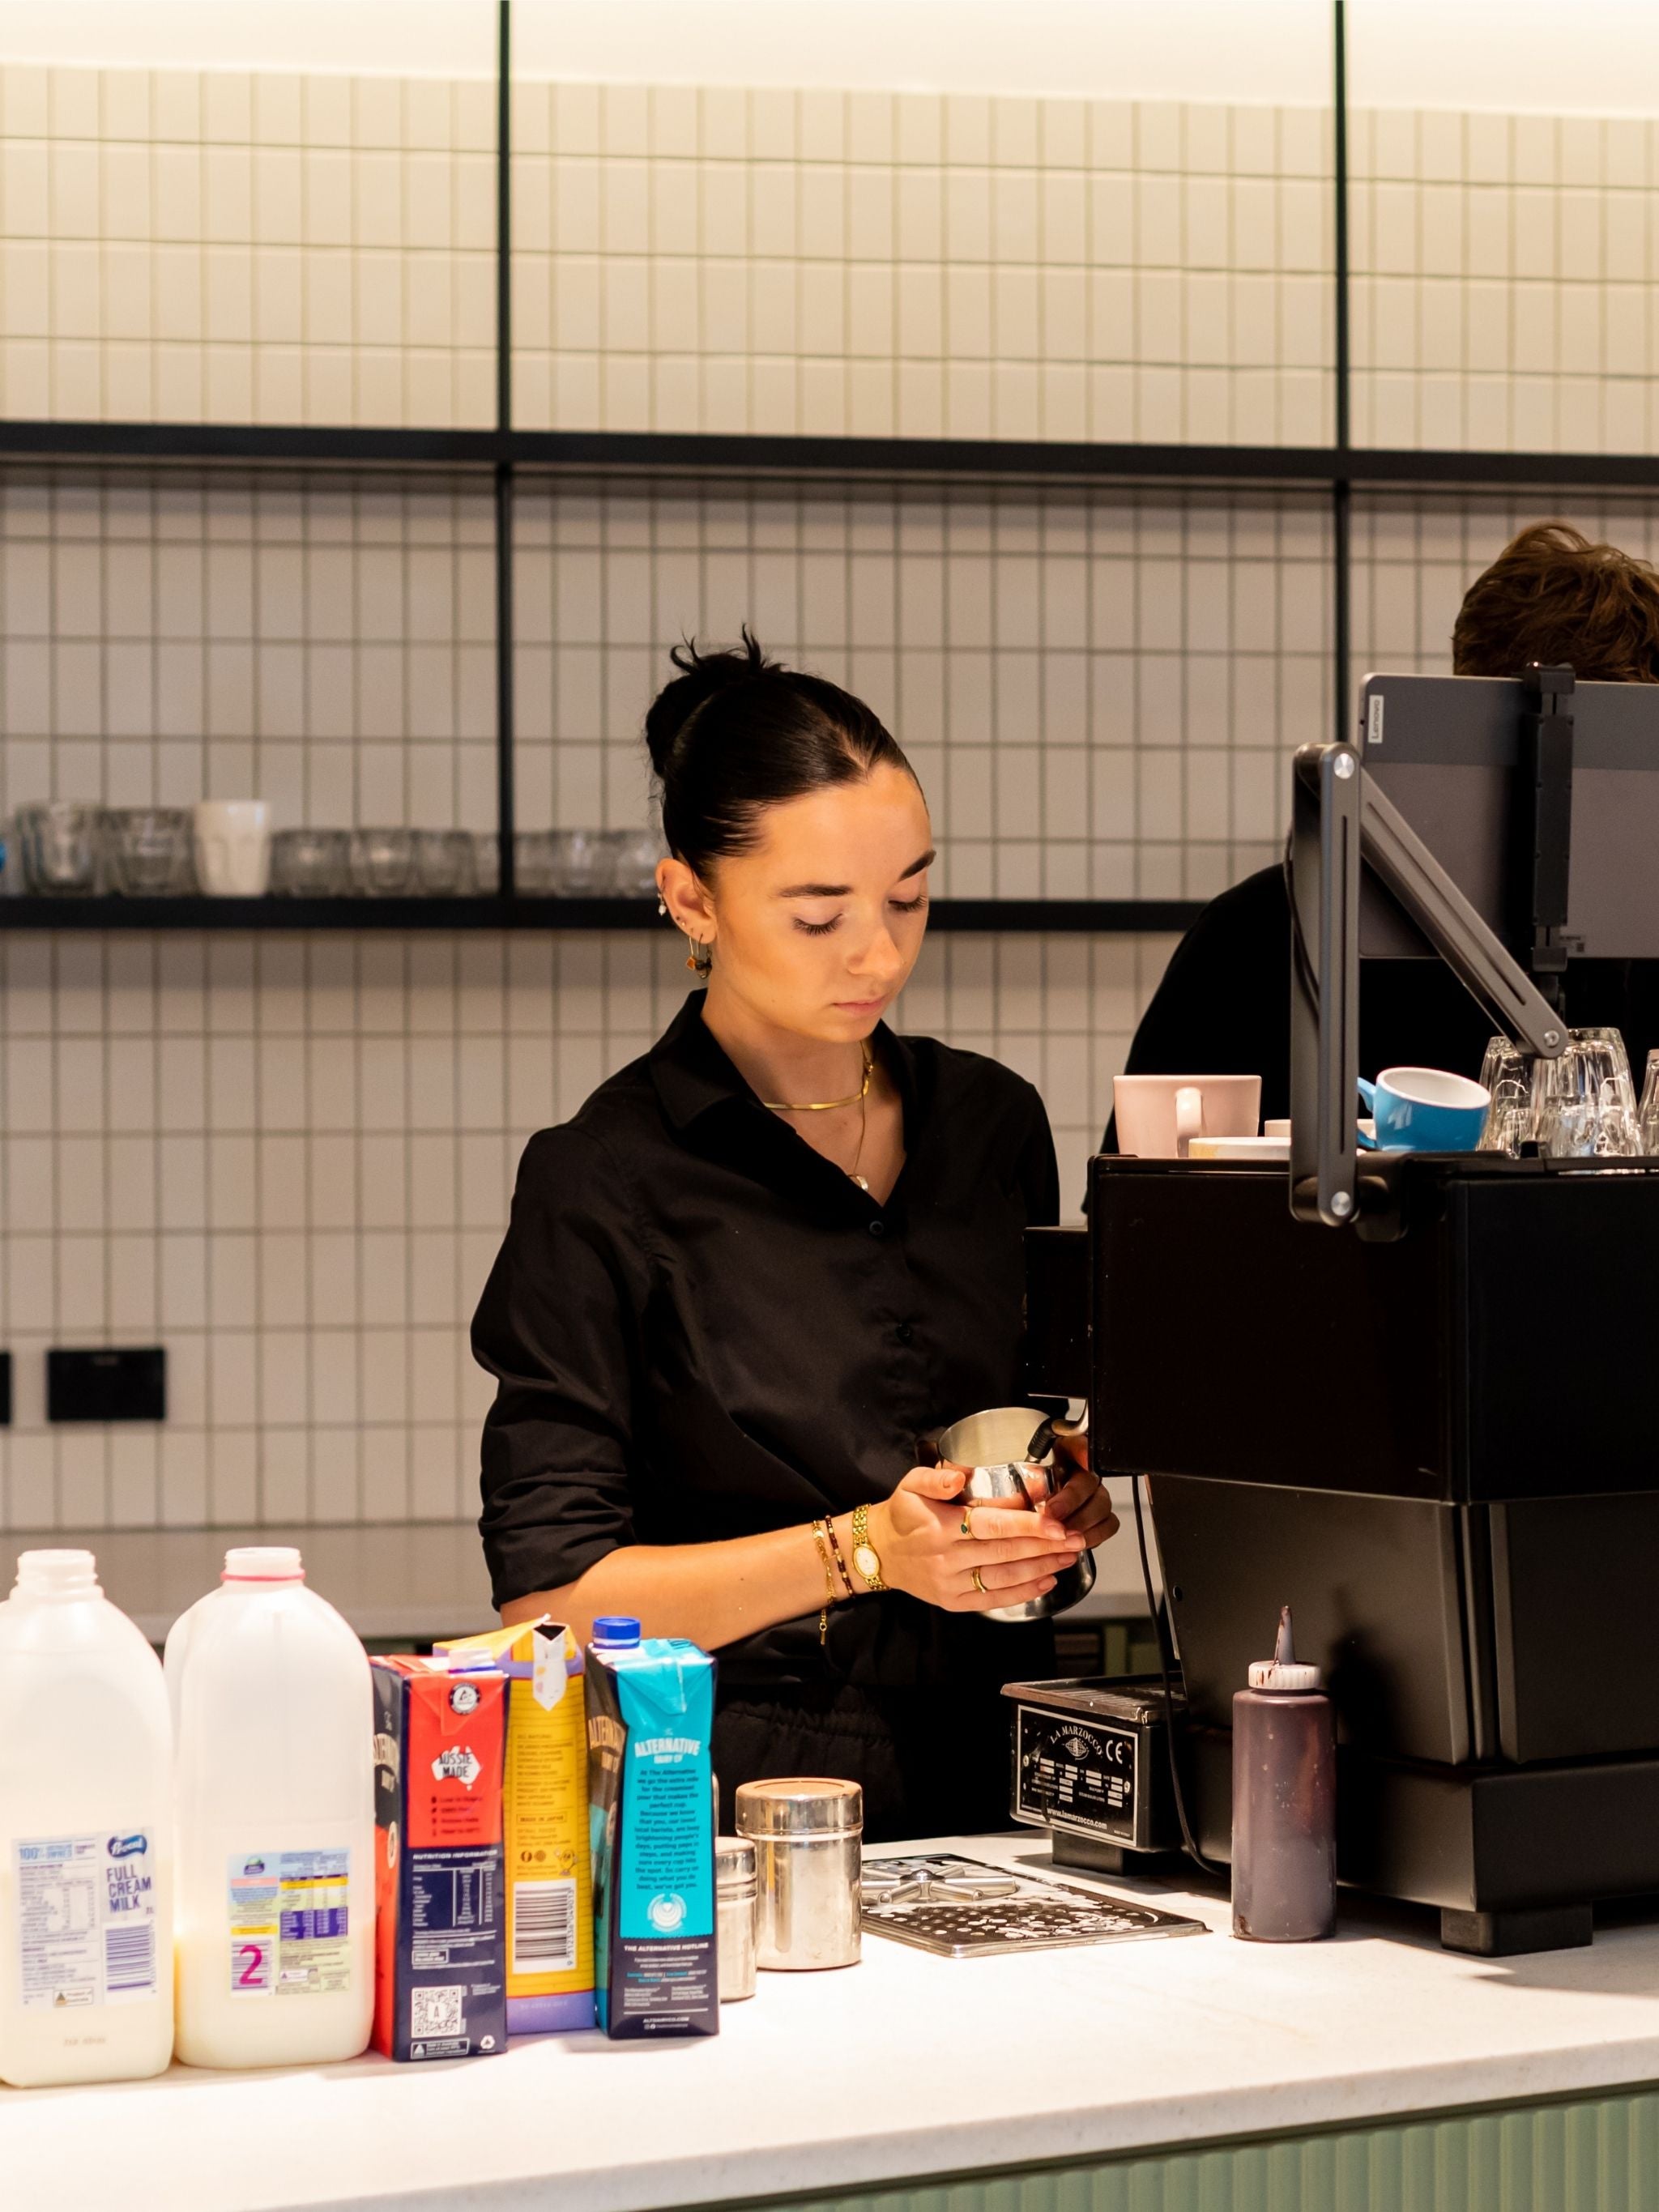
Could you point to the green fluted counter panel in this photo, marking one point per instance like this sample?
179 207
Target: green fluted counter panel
1598 2155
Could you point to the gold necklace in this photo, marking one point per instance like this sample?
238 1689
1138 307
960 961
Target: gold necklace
859 1099
829 1105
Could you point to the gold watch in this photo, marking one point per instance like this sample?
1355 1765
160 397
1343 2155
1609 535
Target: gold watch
866 1557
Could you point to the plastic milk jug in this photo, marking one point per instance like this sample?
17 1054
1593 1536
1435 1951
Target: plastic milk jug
273 1715
86 1834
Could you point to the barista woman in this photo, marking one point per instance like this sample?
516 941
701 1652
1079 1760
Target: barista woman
763 1262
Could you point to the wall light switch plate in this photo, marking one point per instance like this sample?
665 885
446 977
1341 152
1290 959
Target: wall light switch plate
107 1384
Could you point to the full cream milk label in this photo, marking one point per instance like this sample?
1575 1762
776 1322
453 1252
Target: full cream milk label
288 1921
86 1919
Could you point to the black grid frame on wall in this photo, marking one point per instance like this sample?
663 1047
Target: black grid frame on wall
504 457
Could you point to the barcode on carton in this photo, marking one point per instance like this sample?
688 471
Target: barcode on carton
129 1961
544 1926
435 2012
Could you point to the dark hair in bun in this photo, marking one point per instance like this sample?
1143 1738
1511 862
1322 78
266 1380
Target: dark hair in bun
734 733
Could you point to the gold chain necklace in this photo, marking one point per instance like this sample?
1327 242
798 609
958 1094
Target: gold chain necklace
829 1105
859 1099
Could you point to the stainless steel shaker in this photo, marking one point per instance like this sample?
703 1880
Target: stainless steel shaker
996 1449
734 1915
808 1837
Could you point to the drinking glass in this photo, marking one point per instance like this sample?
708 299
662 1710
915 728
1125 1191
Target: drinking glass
532 863
634 872
1582 1106
310 863
443 863
148 849
1585 1102
60 842
1506 1073
1647 1118
380 861
487 861
584 863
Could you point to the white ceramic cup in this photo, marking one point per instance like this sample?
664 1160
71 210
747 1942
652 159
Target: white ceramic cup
232 848
1157 1115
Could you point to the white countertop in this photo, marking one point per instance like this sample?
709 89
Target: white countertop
905 2066
405 1580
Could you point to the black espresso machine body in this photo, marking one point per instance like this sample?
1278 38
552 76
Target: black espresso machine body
1436 1435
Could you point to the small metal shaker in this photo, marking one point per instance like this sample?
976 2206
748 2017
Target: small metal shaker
734 1913
808 1836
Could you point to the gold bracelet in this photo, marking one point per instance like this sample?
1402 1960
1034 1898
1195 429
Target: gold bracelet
828 1581
841 1564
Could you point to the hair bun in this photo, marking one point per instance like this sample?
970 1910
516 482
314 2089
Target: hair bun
702 676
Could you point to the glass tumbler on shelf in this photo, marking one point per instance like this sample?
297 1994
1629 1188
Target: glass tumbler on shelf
1506 1077
59 843
310 863
487 861
150 850
1585 1102
532 863
443 863
1648 1116
382 861
634 868
584 864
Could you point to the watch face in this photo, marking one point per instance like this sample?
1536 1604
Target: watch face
866 1562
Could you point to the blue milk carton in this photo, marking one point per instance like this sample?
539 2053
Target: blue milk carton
651 1809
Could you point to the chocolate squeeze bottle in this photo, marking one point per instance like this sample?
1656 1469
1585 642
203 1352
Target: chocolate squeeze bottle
1284 1801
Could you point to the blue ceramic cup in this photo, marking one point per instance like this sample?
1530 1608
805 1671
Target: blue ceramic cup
1424 1109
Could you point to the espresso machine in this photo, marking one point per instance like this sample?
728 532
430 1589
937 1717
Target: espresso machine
1412 1395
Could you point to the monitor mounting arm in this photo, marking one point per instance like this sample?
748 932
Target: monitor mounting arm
1340 822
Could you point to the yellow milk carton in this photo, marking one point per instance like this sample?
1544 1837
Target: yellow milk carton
550 1911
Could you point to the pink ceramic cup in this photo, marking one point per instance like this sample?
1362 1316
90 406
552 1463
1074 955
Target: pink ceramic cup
1158 1115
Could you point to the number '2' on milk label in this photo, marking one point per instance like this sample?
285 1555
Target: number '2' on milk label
86 1919
287 1923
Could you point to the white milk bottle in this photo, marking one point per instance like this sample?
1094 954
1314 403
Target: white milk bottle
273 1714
86 1834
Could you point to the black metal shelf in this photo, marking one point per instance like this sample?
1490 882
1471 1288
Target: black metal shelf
922 461
501 458
1070 916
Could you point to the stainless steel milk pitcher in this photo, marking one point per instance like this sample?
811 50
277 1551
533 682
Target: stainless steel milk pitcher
1008 1452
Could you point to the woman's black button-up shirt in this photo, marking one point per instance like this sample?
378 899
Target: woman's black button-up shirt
701 1328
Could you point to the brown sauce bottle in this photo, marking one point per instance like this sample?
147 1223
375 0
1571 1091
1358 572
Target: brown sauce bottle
1284 1801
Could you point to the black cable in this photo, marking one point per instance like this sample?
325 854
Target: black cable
1302 966
1165 1661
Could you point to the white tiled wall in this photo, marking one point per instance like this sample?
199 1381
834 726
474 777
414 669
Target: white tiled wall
1098 689
920 265
189 245
1504 280
289 1161
324 643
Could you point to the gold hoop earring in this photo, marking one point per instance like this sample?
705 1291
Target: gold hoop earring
700 959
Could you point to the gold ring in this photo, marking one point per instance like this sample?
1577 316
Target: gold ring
967 1521
979 1585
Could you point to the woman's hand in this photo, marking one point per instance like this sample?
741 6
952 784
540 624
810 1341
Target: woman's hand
1017 1553
1082 1503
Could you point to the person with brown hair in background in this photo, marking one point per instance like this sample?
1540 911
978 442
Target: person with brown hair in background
1224 1005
